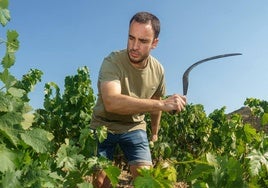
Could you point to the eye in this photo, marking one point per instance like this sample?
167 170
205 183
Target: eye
144 41
130 37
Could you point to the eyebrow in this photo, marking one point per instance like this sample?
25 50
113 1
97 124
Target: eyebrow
140 39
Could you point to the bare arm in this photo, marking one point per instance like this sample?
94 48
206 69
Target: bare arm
115 102
155 122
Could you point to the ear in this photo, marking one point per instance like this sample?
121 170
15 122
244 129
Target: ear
155 42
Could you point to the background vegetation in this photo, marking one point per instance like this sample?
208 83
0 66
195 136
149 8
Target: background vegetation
54 147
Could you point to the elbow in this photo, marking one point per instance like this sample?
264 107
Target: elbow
113 107
109 108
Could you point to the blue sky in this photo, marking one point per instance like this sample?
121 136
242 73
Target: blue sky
58 37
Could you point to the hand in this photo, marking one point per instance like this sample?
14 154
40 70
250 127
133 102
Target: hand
154 138
174 102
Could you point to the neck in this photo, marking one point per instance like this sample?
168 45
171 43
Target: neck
140 65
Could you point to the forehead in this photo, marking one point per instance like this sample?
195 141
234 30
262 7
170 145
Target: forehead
141 30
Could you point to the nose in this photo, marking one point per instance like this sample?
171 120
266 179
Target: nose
135 45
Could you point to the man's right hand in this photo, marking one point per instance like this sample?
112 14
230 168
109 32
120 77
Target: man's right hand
175 103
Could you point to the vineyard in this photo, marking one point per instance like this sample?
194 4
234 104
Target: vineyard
54 147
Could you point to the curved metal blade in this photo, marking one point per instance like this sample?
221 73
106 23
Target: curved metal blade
185 79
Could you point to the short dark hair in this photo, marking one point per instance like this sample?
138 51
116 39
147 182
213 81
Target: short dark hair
146 17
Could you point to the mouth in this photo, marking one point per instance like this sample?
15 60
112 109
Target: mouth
134 54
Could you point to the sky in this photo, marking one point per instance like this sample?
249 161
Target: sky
58 37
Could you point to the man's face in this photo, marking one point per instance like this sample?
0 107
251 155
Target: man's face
140 42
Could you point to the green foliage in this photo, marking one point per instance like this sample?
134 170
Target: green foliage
221 171
4 12
49 147
54 146
190 136
67 115
162 175
23 147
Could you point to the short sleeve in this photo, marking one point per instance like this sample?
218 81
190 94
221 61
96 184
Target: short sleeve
161 90
109 70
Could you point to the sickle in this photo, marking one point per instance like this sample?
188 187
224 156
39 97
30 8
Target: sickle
185 78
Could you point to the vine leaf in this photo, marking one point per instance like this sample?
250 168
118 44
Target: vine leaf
28 120
264 119
38 139
257 159
112 172
7 159
4 12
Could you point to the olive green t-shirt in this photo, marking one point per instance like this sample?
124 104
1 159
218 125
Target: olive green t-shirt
138 83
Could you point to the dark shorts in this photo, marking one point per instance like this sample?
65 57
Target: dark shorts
134 145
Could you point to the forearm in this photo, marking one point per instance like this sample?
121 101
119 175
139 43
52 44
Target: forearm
155 122
123 104
116 102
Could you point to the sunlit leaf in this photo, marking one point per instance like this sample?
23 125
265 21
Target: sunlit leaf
12 41
4 12
7 78
148 182
4 4
68 157
250 133
85 185
28 120
11 179
113 174
9 128
38 139
264 119
257 159
211 159
7 158
16 92
101 133
5 103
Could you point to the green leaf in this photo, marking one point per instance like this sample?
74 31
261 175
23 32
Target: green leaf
257 159
9 128
12 46
16 92
113 173
28 120
250 133
8 60
211 159
68 157
147 182
38 139
7 78
73 178
146 179
101 133
85 185
4 12
4 4
5 103
29 80
12 41
7 159
200 170
264 119
11 179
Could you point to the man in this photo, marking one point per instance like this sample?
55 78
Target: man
131 83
